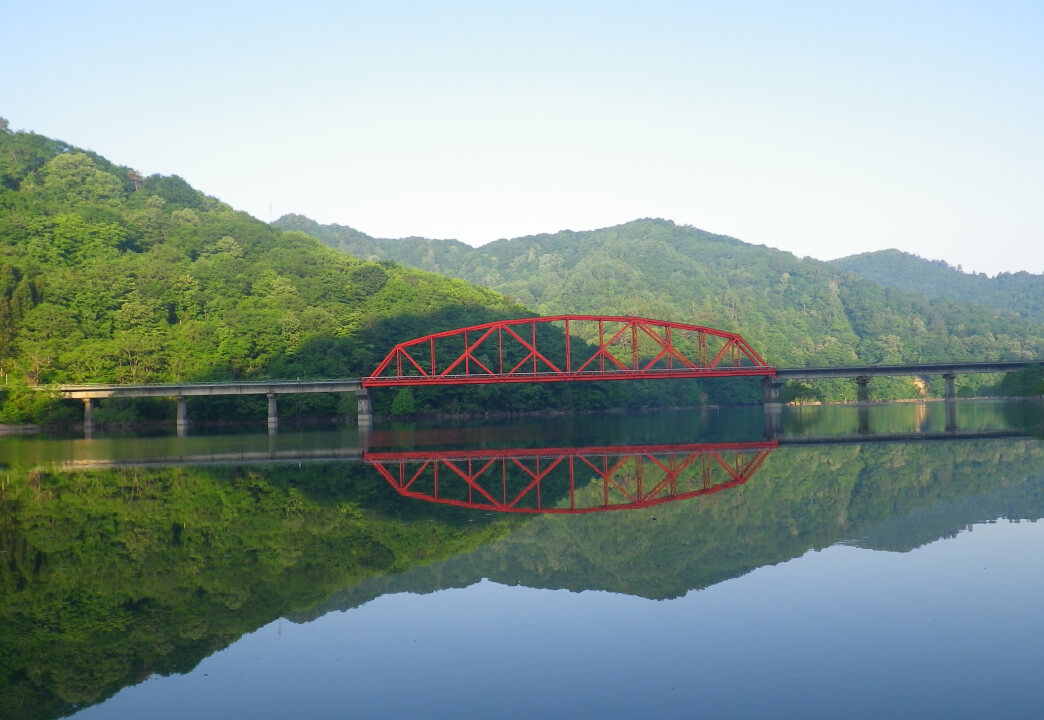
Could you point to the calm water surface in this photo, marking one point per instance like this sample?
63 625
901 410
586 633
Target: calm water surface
828 562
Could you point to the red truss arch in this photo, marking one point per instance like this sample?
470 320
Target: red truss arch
567 348
570 480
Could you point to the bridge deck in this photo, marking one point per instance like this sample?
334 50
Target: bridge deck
268 387
851 371
357 385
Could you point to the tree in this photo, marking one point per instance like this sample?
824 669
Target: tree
404 403
74 179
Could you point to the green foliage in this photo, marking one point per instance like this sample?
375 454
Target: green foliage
22 404
404 404
800 392
1021 293
1029 381
175 190
366 280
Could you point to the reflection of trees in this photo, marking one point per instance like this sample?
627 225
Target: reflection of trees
1028 416
892 496
109 576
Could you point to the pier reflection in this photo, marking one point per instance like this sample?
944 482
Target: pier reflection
573 480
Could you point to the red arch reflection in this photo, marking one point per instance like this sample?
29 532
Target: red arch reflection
570 480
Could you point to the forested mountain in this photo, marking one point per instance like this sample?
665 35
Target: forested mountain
1021 292
795 312
107 276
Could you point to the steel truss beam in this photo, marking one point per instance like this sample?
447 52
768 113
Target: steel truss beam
506 351
570 480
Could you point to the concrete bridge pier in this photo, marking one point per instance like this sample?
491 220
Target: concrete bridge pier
88 416
182 415
770 390
863 392
273 413
365 408
951 386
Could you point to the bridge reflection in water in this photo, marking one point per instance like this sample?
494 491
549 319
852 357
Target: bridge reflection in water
570 480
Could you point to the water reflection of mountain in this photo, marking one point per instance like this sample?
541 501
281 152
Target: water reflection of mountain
887 497
109 576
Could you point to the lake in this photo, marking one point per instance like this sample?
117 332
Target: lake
829 561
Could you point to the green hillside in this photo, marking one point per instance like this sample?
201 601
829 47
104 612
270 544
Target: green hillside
1021 293
107 276
795 312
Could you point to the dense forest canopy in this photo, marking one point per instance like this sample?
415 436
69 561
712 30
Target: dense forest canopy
1021 292
794 312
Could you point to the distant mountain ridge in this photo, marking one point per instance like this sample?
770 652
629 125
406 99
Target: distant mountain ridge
1021 292
794 312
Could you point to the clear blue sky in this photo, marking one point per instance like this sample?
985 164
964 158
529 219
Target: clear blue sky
821 128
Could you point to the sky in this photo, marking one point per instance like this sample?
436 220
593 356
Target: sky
821 128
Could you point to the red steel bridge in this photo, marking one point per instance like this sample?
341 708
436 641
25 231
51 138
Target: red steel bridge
545 349
570 480
559 348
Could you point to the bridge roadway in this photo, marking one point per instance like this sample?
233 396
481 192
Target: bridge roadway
772 383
